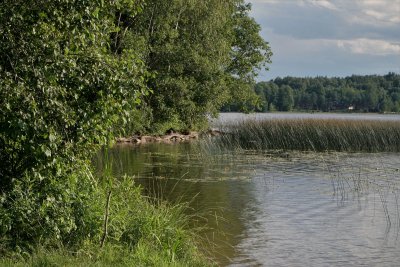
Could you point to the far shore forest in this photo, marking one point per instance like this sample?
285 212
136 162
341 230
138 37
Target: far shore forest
356 93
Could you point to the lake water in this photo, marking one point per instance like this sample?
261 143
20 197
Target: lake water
265 208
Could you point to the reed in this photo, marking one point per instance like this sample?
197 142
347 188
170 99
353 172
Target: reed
313 135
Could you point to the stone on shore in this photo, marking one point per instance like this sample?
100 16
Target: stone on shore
171 137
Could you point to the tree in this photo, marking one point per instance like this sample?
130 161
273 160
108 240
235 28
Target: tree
371 98
364 93
259 89
201 54
285 98
64 88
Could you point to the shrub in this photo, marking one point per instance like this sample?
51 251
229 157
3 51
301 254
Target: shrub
63 90
139 233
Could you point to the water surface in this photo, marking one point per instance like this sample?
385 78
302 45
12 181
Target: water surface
277 209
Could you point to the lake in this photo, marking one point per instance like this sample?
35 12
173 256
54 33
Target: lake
267 208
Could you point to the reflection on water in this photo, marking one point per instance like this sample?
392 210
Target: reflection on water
277 209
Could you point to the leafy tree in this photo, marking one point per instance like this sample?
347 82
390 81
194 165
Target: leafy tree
260 91
270 92
249 53
202 54
64 86
371 98
285 98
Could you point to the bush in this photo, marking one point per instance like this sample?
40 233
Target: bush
49 210
63 91
139 233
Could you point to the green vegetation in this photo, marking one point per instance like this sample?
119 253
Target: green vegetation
139 233
62 92
73 75
313 135
370 93
200 54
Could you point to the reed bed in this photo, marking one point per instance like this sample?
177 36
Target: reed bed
313 135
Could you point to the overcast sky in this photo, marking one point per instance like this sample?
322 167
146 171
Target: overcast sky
330 37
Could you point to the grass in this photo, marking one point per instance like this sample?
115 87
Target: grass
313 135
144 255
139 232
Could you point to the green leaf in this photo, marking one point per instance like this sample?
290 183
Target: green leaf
96 12
52 137
42 15
47 152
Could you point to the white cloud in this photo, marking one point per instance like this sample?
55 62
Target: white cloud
369 46
330 37
266 1
375 12
328 4
360 46
279 2
323 3
365 12
372 2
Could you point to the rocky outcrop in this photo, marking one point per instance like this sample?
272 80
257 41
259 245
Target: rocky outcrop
167 138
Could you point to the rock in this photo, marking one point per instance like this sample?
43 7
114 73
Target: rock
123 140
171 137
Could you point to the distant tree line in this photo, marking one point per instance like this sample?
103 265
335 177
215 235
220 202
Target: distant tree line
370 93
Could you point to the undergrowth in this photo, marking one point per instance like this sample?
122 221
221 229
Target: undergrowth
131 231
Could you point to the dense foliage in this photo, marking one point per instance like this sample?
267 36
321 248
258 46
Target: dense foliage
201 54
139 234
370 93
63 89
75 73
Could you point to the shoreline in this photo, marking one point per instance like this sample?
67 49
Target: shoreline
169 138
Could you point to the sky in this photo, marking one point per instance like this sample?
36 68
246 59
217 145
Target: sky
334 38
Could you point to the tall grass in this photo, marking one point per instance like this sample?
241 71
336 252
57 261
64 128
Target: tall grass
313 135
118 226
139 233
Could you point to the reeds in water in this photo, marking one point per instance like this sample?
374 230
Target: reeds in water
313 135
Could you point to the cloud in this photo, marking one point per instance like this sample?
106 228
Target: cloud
324 4
333 19
321 3
369 12
266 1
374 12
330 37
370 47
